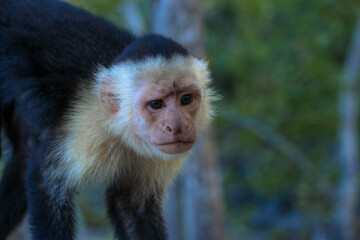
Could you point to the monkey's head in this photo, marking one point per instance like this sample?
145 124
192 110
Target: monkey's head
158 105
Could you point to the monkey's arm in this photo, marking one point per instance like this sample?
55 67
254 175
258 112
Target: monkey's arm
134 216
50 203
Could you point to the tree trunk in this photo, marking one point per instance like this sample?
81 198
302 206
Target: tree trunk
348 188
198 191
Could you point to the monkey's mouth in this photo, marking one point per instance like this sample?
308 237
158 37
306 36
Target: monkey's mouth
174 147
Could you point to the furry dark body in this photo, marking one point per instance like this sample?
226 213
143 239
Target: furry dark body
48 50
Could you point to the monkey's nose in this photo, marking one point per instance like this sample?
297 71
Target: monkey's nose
172 129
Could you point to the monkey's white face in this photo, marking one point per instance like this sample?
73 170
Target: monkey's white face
157 106
165 115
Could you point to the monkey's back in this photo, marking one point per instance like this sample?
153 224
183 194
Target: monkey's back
47 50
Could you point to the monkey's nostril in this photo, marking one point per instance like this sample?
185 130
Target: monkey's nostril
169 129
173 130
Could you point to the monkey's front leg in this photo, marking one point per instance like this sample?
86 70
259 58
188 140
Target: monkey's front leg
49 203
135 215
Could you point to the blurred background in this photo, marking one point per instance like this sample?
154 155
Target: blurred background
281 159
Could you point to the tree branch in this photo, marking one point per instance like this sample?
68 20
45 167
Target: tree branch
269 135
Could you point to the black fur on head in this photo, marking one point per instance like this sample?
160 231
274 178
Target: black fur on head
151 45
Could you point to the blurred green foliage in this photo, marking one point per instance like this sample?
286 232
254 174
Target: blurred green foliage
279 62
96 6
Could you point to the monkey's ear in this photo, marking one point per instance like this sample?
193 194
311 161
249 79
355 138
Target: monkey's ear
108 98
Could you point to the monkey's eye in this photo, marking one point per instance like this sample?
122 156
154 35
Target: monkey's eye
156 104
186 99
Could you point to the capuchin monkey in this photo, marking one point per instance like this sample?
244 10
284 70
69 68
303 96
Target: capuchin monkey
82 102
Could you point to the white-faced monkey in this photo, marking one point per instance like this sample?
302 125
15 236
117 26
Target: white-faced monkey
83 101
